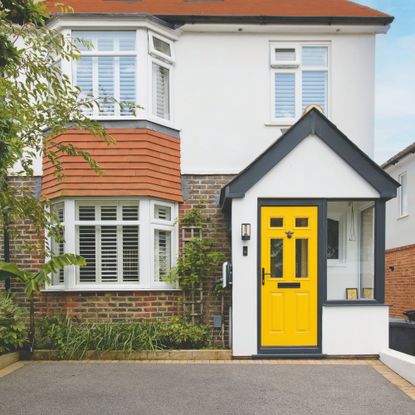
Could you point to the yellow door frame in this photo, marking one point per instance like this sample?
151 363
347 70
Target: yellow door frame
321 276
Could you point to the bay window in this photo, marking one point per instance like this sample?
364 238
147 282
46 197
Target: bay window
128 244
299 79
114 68
351 250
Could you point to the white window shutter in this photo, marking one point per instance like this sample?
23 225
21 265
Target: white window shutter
162 254
109 255
127 83
284 89
87 249
161 98
130 253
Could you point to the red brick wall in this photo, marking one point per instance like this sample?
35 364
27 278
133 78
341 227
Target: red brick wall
400 279
202 191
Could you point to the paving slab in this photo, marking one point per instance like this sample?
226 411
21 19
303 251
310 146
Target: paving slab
103 388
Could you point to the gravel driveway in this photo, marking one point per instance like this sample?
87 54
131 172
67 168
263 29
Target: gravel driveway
151 388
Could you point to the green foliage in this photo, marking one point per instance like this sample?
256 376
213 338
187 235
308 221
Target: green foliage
198 261
72 338
37 104
13 331
35 281
193 217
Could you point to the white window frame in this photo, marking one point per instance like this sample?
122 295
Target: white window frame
403 195
156 53
145 54
296 67
152 115
147 225
95 53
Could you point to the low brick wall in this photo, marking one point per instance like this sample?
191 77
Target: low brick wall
400 280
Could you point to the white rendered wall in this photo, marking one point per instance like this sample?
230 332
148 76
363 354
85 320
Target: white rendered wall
355 330
400 231
222 95
331 177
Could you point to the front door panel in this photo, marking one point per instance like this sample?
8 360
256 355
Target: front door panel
289 276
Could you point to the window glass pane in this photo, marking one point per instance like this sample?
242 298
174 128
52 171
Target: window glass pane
108 212
313 56
130 212
162 254
109 258
403 193
301 258
333 229
105 41
301 222
87 249
161 79
285 55
276 222
86 212
351 250
314 89
284 95
162 212
106 84
276 267
161 46
127 84
130 253
83 78
367 251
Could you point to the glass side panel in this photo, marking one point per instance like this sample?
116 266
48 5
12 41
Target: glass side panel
367 252
277 246
333 229
301 222
276 222
284 95
161 46
301 258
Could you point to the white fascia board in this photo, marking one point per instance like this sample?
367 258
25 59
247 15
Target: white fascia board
111 23
279 28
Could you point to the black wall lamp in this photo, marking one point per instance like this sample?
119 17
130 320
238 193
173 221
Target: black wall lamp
246 231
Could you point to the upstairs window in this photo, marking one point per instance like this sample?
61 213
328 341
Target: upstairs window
299 79
161 52
106 71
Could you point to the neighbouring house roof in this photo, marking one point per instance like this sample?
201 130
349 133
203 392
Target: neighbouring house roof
142 162
398 157
263 11
312 123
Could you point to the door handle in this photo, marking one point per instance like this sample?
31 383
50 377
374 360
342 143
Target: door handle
263 273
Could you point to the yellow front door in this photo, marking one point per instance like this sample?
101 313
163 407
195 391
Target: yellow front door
288 276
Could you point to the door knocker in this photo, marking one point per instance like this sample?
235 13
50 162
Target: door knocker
289 234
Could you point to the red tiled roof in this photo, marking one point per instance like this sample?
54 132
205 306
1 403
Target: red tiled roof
266 8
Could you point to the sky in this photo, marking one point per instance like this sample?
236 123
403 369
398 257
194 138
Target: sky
395 79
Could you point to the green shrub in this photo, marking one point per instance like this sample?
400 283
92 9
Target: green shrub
13 330
72 338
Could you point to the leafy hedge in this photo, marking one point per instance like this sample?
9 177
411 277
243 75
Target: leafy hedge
13 330
72 338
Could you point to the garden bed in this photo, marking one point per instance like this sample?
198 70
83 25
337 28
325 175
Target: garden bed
208 354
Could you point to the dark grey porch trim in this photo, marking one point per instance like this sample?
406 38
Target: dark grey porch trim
314 122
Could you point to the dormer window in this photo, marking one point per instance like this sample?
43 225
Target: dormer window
114 68
299 78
